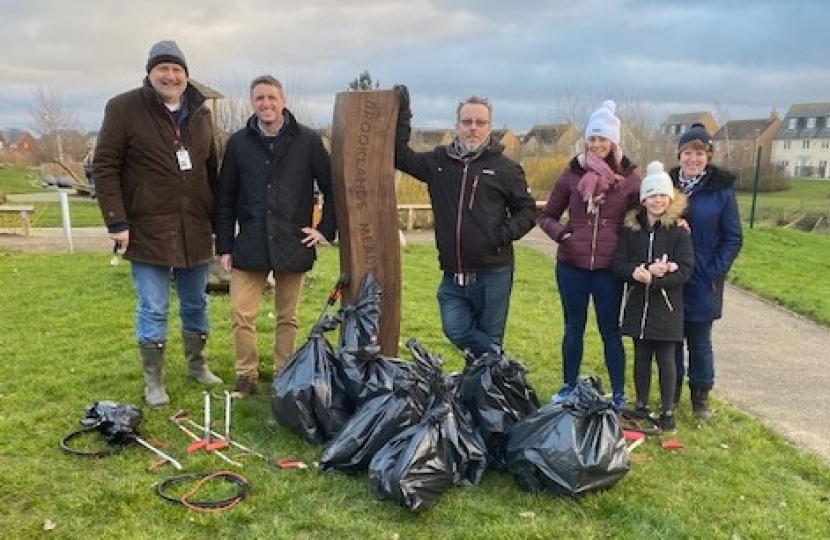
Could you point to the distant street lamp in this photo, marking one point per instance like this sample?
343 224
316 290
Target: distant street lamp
757 175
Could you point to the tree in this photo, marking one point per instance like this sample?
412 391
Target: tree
52 116
363 82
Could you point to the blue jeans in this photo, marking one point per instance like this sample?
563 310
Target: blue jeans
152 287
474 316
698 337
577 287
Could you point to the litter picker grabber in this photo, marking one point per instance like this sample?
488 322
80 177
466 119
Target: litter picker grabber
217 444
193 447
637 426
334 295
158 452
181 416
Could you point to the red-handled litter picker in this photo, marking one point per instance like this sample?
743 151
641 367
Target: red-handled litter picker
198 442
334 295
217 444
181 416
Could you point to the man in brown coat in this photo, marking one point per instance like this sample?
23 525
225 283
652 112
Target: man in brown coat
155 168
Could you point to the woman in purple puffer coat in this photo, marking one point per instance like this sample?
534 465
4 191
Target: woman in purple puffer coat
596 190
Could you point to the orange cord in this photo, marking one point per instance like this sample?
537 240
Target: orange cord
202 481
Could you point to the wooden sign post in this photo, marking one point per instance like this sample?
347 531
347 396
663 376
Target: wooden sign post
363 169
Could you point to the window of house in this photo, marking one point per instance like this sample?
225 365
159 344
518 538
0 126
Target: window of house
792 123
811 123
787 145
805 145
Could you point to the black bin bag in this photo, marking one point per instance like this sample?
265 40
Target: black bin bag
309 396
569 448
373 424
415 467
402 391
495 390
360 321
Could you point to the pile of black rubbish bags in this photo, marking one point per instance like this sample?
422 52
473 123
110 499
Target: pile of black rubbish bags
419 432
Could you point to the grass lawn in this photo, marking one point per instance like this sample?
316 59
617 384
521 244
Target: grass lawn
67 339
804 196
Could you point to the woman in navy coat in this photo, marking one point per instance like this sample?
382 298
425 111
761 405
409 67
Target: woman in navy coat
712 215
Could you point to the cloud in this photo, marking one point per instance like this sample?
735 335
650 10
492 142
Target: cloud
525 56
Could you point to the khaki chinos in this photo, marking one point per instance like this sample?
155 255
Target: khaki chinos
246 289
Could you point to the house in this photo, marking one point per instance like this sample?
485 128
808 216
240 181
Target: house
802 145
423 140
664 145
551 139
737 142
17 145
676 124
512 144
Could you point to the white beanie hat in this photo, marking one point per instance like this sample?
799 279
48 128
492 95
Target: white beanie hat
604 123
656 182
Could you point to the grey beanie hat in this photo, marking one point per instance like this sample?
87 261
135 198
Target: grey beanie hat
166 51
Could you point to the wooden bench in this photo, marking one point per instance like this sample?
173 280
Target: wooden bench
24 211
412 210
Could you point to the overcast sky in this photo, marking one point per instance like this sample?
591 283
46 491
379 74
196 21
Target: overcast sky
735 58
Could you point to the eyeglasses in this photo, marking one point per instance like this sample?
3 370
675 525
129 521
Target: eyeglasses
467 122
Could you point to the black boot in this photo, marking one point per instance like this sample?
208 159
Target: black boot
700 403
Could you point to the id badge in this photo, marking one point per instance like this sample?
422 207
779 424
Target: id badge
183 157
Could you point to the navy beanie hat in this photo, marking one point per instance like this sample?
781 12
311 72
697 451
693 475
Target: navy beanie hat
166 51
695 133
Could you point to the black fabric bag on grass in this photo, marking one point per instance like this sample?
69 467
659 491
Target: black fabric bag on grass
495 390
569 448
309 396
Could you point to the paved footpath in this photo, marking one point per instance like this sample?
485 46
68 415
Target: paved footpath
770 362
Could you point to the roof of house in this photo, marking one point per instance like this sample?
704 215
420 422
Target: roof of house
743 130
432 137
499 134
546 133
801 112
807 110
687 119
13 135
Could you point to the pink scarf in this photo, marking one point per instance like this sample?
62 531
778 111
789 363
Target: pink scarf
598 179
